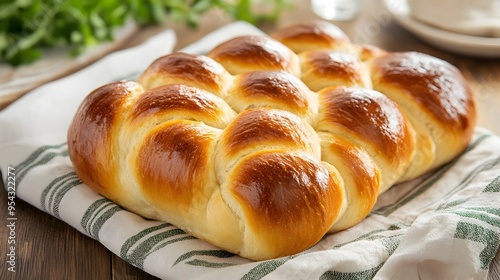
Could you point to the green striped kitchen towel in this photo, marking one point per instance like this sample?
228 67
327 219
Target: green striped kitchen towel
445 225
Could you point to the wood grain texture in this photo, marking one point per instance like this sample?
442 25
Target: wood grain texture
122 270
48 248
494 273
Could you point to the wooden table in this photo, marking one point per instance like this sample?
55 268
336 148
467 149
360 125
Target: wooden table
47 248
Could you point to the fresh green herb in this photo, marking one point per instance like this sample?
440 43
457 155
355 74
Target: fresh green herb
27 27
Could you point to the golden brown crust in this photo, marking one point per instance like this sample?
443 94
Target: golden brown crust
275 89
362 179
434 95
274 128
181 101
379 122
437 86
301 196
280 144
312 36
367 52
263 129
174 98
321 69
93 128
253 53
183 150
189 69
372 120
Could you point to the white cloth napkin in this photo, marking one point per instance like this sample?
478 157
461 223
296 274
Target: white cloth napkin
445 225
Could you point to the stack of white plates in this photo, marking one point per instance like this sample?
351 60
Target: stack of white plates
451 41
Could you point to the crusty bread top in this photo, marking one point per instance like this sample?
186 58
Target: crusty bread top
267 143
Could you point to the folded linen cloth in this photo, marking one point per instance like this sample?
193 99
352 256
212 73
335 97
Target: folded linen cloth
56 63
445 225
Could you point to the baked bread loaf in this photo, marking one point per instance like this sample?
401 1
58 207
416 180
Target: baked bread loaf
267 143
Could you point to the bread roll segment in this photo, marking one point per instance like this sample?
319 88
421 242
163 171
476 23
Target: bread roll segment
285 212
310 36
267 143
321 69
275 89
252 52
371 120
187 69
435 98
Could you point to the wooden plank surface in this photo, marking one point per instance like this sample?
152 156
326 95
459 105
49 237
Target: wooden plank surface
47 248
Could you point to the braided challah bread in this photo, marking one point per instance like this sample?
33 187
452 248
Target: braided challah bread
267 143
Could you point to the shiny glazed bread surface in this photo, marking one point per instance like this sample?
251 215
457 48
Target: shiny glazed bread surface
267 143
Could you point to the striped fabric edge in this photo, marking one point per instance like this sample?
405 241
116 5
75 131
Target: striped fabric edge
151 239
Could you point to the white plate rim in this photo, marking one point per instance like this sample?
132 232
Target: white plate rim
451 41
